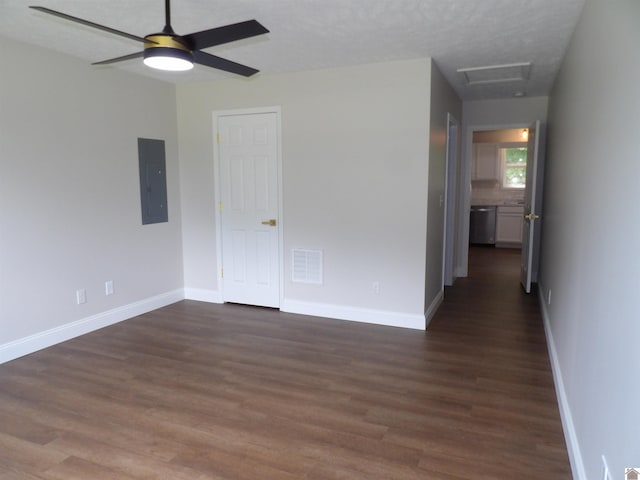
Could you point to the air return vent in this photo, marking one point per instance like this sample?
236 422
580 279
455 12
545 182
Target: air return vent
511 72
306 266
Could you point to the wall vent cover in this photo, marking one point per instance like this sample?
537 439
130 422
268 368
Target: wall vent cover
306 266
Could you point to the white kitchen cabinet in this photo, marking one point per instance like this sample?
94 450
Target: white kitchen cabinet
485 161
509 225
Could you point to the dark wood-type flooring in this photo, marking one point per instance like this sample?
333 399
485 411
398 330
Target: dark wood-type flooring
200 391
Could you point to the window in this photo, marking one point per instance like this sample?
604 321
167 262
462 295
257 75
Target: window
514 167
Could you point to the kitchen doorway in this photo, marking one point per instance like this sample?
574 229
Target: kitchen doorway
494 160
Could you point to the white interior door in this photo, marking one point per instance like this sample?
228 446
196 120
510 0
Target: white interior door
532 205
248 156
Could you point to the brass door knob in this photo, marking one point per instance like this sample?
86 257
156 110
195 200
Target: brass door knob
271 222
532 216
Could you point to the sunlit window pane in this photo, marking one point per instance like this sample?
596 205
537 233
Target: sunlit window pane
514 167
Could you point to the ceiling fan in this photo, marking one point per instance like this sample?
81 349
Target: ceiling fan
169 51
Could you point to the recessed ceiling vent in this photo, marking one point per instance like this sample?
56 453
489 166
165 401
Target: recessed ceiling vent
511 72
306 266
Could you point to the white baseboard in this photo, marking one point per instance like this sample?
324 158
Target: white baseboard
355 314
433 308
202 295
459 272
570 436
33 343
24 346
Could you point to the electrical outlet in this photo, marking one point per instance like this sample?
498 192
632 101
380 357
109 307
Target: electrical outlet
81 296
376 287
605 469
108 287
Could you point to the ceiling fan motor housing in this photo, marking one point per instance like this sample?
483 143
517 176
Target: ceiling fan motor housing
166 45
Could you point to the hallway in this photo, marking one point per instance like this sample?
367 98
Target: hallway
497 332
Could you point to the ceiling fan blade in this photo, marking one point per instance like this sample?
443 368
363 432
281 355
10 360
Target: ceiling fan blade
120 59
88 23
222 64
226 34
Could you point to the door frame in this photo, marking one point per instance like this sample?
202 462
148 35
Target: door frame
451 161
462 263
216 114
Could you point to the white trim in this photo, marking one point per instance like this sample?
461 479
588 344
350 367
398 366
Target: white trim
570 435
355 314
450 190
459 272
33 343
433 308
217 178
203 295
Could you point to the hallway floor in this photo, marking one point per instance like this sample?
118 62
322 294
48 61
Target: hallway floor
499 334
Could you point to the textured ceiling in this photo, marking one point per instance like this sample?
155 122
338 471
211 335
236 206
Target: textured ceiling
314 34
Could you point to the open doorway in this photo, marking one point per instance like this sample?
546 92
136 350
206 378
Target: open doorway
491 177
498 180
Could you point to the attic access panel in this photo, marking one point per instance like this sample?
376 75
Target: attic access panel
511 72
153 181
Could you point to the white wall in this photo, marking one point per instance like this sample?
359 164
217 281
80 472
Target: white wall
504 111
487 115
443 100
355 152
591 234
69 197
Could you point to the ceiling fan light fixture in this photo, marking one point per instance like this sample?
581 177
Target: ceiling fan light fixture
169 59
164 51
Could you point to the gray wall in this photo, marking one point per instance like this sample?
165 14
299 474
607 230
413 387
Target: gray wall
355 158
355 154
69 196
591 232
443 100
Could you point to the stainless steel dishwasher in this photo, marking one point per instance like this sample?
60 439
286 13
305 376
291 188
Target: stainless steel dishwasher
482 225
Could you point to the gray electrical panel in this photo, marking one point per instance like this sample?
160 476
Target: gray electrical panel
153 181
